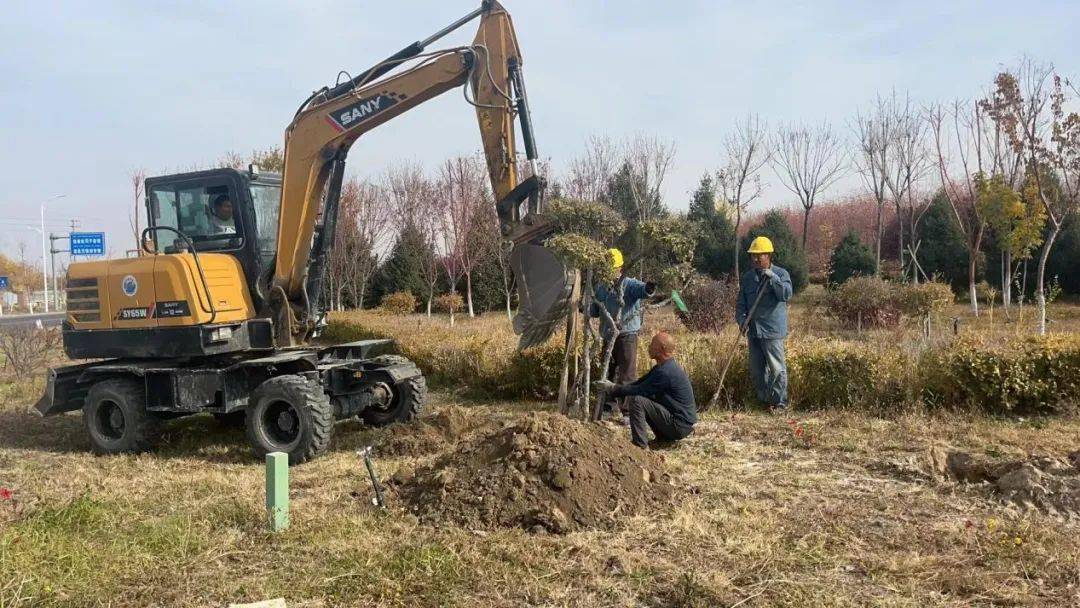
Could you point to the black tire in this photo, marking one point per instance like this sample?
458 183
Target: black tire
115 416
408 399
289 414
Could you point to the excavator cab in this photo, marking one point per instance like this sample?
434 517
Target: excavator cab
220 211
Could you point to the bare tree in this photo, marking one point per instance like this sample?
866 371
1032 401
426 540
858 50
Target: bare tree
907 163
808 160
1032 106
138 179
591 172
746 151
410 198
875 136
958 164
365 220
649 159
464 200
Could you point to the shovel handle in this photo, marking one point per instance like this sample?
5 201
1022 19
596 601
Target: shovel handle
735 348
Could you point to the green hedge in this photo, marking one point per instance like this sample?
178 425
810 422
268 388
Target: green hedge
1024 376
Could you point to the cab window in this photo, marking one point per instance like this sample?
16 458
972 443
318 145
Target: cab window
207 214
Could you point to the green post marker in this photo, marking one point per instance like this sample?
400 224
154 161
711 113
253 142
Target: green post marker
679 304
277 490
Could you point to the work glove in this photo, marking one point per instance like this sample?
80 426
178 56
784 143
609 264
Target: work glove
769 274
603 385
650 288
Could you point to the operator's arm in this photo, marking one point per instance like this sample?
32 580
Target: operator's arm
652 383
781 285
636 290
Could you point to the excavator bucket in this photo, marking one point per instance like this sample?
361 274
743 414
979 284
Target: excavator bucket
545 290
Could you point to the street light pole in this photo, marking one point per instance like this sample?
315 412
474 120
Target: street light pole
44 259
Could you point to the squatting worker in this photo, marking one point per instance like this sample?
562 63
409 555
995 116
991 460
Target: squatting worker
221 215
769 326
661 400
623 366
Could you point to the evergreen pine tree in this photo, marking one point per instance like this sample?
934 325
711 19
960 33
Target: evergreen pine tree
942 250
403 269
712 252
850 258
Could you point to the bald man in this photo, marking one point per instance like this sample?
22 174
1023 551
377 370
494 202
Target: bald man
662 400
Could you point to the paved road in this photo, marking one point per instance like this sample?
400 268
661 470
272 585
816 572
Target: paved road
48 319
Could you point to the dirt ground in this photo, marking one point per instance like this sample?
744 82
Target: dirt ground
827 508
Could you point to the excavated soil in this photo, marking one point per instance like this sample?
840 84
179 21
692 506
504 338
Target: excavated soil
544 472
428 435
1046 483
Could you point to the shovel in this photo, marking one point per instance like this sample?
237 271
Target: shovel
735 347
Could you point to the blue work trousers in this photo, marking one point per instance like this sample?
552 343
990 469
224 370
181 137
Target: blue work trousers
768 371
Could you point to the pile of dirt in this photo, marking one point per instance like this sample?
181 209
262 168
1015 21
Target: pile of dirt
545 472
1043 482
428 435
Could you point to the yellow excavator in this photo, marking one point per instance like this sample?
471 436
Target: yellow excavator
216 313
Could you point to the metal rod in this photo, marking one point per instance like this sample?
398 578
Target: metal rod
366 455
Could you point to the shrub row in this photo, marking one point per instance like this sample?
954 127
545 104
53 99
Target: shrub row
1027 376
873 302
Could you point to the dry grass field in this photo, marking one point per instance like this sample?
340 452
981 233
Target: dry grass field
822 508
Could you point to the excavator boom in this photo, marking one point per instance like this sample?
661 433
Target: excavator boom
331 120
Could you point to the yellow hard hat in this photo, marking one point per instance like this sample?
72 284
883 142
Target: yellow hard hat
616 258
761 244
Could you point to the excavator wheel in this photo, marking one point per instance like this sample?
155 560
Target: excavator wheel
289 414
409 396
116 419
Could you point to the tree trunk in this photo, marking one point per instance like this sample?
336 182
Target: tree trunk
586 350
877 238
1006 281
430 297
570 344
738 220
468 294
973 268
1040 295
805 227
900 240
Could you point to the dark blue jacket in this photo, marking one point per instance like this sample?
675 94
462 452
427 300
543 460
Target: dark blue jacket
667 384
770 317
633 292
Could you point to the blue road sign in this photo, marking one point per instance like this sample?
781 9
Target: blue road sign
87 243
4 283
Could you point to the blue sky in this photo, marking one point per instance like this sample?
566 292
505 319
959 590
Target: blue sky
93 90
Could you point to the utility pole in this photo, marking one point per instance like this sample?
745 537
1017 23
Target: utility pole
53 251
45 252
44 268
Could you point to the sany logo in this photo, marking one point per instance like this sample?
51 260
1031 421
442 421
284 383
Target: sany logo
353 114
358 113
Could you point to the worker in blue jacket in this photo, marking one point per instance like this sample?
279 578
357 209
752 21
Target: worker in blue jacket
768 326
623 366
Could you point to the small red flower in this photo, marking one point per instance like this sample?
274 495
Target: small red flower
799 432
791 421
5 494
968 523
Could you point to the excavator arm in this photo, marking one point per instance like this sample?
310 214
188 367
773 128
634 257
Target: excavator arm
332 119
